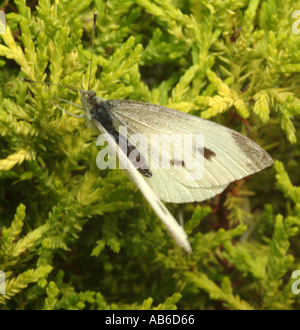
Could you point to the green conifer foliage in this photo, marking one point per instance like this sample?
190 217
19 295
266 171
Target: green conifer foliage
73 236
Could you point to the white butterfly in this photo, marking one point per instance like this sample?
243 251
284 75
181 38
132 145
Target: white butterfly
227 155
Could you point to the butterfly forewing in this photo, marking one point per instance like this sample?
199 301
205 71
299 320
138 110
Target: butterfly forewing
228 155
162 212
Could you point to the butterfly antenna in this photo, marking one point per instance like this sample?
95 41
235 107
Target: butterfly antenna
47 83
94 31
80 116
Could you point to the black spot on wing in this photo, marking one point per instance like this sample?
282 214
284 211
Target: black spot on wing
177 162
145 172
208 153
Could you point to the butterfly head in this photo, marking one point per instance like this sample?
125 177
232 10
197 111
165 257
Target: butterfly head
87 98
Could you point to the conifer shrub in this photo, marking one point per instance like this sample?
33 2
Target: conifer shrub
73 236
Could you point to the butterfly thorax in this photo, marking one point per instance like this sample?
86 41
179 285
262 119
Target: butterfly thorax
96 109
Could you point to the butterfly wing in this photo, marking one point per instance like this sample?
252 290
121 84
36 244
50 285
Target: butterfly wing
228 155
176 231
